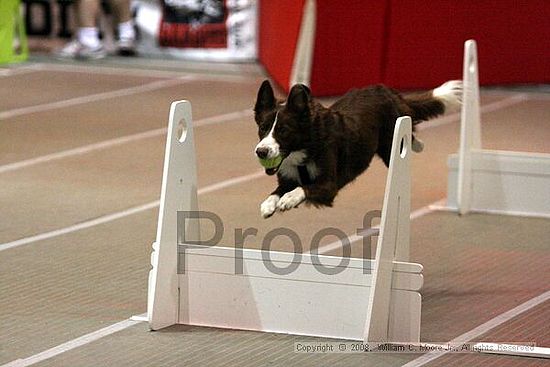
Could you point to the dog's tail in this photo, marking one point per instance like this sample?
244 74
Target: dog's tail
443 99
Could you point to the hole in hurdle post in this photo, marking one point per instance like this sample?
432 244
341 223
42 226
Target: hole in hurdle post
181 130
404 147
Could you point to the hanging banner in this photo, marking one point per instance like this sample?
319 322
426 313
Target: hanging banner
208 30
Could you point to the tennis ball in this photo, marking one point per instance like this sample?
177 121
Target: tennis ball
271 162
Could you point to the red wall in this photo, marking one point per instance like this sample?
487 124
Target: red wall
426 41
279 28
348 52
409 43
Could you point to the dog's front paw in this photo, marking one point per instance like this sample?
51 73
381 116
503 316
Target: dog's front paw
268 207
291 199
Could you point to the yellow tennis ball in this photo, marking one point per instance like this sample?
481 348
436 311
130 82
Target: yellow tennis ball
271 162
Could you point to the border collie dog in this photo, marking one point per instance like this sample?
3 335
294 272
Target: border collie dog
323 149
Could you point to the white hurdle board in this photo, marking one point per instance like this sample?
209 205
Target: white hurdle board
501 182
366 300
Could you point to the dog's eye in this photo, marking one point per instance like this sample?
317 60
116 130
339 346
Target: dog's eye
283 130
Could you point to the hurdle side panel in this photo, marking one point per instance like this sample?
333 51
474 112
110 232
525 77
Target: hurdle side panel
393 242
504 182
303 302
178 193
307 267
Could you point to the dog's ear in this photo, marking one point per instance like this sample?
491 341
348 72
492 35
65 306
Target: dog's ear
298 98
266 99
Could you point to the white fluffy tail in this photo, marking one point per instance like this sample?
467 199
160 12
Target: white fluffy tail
450 93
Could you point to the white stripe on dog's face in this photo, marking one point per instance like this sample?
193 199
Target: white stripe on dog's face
269 142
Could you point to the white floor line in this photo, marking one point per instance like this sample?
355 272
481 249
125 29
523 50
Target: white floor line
92 98
118 141
6 72
247 113
79 226
482 329
231 182
108 70
374 230
124 213
137 72
72 344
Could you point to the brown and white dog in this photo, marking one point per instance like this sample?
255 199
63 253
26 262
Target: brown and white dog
325 148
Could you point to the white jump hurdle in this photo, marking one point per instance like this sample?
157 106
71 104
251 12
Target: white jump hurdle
500 182
382 305
503 182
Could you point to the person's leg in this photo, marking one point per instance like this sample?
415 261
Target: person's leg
86 44
126 32
87 13
121 9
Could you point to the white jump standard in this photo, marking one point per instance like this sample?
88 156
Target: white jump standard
379 304
492 181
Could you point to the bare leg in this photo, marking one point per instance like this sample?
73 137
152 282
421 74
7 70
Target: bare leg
87 12
121 9
87 44
126 33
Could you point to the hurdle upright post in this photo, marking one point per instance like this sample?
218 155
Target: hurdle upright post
470 127
393 245
179 193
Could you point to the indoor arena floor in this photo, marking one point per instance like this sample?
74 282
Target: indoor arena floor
81 157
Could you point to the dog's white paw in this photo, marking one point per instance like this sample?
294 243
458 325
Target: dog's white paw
291 199
268 207
450 93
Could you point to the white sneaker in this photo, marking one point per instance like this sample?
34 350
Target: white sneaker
76 50
126 47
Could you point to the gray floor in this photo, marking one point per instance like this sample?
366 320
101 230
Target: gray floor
74 270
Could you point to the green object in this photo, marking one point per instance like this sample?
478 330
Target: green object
271 162
13 39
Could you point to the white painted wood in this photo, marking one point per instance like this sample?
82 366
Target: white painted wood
220 288
353 271
306 258
303 54
470 126
502 182
179 192
303 302
393 242
510 183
